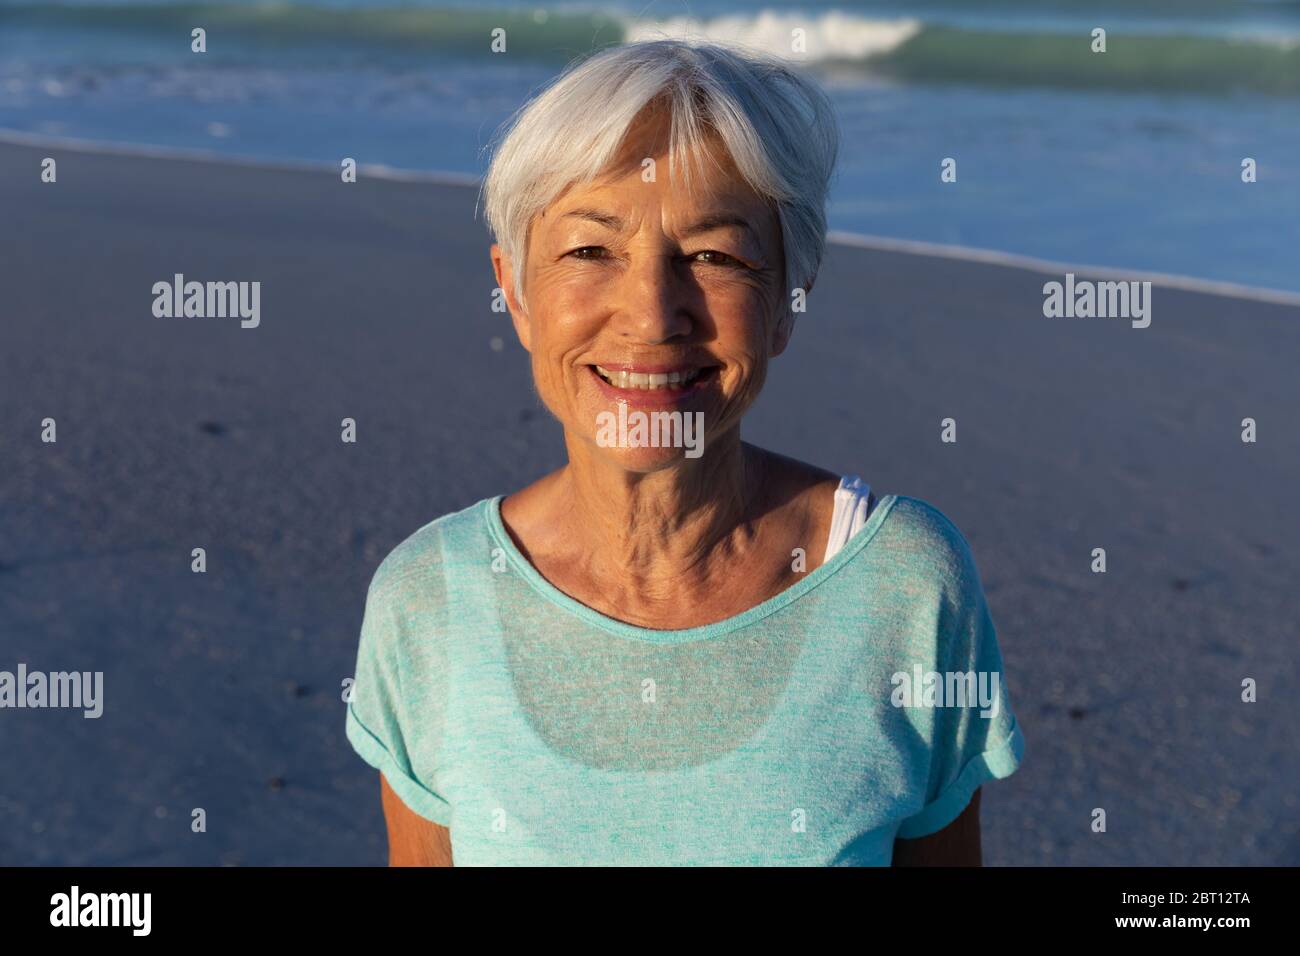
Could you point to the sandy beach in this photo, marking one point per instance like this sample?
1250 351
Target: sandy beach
223 690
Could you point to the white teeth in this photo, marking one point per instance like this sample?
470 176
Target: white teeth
648 381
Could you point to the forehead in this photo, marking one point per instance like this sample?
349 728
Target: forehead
711 186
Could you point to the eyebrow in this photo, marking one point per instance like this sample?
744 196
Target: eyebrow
707 224
605 219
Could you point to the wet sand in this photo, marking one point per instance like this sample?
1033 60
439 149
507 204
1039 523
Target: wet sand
222 690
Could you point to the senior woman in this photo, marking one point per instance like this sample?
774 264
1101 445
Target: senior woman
688 650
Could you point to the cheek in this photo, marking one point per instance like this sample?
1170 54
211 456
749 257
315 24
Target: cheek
742 321
572 307
551 380
745 297
560 329
742 341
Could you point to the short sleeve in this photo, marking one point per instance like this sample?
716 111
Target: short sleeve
976 735
377 723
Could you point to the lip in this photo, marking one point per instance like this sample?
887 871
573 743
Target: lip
657 398
648 369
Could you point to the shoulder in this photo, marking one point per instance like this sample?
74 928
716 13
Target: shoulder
807 490
929 543
430 552
411 598
785 473
934 568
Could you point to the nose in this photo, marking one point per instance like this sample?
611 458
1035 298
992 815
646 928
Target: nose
655 301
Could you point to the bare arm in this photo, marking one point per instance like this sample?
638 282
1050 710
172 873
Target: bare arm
412 840
957 844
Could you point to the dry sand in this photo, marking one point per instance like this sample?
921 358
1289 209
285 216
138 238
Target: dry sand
223 689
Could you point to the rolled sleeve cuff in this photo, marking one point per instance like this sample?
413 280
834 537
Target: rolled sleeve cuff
413 793
993 764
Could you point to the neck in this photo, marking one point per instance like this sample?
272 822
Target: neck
660 525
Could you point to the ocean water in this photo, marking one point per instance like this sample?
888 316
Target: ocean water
1130 159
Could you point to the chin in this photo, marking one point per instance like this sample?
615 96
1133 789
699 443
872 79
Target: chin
648 460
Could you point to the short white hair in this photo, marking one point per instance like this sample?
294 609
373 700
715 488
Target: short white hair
778 127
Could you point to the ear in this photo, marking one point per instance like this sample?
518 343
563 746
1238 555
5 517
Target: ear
785 324
784 329
504 271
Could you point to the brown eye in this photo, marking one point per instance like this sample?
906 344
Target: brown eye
715 258
589 252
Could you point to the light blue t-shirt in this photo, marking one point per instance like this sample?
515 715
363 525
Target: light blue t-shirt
863 703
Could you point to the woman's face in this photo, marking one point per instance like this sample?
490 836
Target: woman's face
632 281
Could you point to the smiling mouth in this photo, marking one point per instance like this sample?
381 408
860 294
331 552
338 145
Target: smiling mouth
673 381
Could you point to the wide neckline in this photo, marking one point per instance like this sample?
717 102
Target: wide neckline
589 615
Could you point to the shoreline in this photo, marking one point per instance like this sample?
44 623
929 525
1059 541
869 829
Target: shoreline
380 391
913 247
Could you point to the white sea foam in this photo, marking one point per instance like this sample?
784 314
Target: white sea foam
829 36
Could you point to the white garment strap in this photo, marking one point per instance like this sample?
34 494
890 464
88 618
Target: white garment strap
851 509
